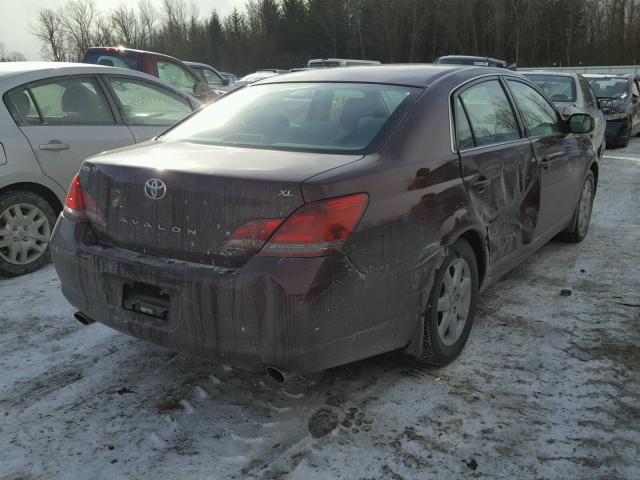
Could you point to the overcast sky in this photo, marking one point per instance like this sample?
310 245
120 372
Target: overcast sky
17 15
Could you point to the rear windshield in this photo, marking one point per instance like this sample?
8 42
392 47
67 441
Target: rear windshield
609 87
112 59
558 88
336 117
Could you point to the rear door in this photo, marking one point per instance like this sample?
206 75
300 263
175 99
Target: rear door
67 120
559 155
147 108
498 166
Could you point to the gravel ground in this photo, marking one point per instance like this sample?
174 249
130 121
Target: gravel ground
547 387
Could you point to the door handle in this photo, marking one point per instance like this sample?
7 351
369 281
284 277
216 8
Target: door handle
54 145
481 184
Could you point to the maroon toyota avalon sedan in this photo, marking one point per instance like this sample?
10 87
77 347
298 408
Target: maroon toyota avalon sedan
321 217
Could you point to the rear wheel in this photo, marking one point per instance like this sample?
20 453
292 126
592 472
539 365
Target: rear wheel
582 216
26 221
451 306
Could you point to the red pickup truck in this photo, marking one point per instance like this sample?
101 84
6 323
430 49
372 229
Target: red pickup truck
166 68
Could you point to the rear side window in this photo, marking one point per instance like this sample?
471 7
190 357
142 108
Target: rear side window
177 76
69 101
539 117
113 60
490 115
335 117
146 104
464 134
21 106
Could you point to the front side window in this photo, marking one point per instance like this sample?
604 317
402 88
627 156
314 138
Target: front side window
299 116
177 76
589 97
146 104
490 115
211 77
539 117
68 101
559 88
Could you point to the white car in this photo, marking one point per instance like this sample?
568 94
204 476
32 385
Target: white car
52 117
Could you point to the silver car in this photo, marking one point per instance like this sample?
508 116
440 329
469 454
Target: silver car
571 93
53 116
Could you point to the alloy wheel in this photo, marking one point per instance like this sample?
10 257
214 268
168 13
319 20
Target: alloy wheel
454 301
24 233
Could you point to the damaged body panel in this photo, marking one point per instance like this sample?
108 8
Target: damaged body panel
313 251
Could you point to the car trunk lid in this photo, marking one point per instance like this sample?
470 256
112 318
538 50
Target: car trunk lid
184 200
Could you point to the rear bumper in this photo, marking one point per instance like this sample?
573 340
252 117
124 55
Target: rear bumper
299 315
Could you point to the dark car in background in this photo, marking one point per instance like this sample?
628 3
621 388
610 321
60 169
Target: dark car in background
571 93
470 60
618 97
214 79
314 219
167 68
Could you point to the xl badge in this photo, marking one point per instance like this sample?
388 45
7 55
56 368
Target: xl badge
155 189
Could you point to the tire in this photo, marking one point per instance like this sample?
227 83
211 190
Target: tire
603 147
443 345
624 141
26 223
582 216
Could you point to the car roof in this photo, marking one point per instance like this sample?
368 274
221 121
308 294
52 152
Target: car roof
197 64
608 75
13 74
412 75
549 72
472 57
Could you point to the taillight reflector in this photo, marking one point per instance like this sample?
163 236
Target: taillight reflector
251 237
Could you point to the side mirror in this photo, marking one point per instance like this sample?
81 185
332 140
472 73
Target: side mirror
581 123
225 82
201 89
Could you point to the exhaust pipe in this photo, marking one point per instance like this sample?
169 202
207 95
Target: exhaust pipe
276 374
83 319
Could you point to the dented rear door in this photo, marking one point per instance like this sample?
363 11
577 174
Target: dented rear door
498 166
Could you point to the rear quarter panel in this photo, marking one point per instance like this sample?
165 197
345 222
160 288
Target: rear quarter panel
417 206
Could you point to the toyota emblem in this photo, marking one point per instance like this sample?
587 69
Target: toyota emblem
155 189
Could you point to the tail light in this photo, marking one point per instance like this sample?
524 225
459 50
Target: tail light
74 206
314 230
80 206
317 229
251 237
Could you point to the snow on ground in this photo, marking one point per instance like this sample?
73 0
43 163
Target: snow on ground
547 387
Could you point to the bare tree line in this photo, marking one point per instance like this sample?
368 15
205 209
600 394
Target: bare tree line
10 56
285 33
